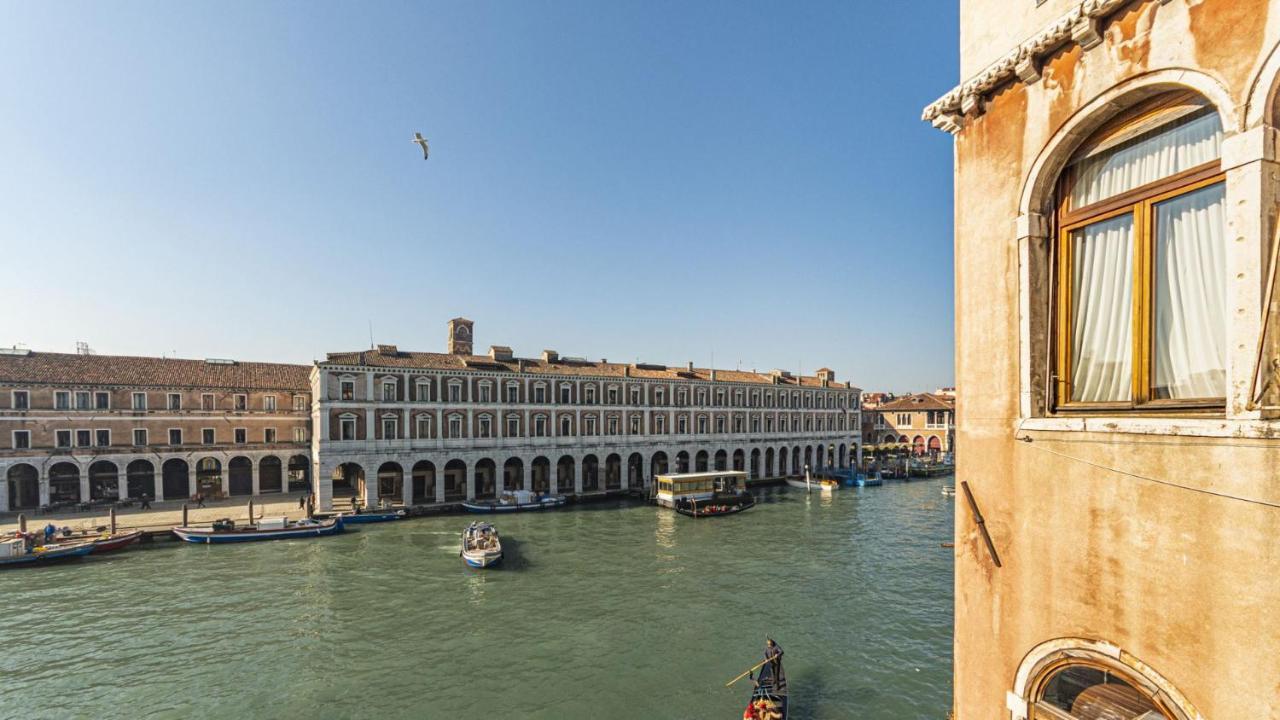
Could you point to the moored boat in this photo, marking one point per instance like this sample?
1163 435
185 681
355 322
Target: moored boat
518 501
225 531
361 518
949 490
481 546
864 480
22 550
110 542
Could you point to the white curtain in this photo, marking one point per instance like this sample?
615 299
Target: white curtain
1190 289
1102 311
1179 146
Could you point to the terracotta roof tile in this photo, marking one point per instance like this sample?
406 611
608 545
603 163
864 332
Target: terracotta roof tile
44 368
919 401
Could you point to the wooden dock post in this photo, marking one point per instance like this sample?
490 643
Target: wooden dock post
251 512
112 522
22 523
184 516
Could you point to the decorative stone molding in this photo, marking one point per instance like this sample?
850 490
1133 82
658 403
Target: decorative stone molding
1080 25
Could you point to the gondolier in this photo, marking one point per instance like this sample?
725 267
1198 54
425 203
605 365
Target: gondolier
773 653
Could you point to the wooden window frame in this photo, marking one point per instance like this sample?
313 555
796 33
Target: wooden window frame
1037 709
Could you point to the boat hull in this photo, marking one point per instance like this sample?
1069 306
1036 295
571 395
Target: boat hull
373 517
698 512
482 559
39 558
205 536
483 508
119 541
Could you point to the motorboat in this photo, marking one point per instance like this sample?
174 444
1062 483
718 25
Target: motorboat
481 546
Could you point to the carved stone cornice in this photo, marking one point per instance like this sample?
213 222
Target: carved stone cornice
1082 25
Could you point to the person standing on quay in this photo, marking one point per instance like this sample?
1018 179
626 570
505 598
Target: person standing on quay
145 503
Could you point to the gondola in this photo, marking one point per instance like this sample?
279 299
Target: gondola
225 531
716 506
481 546
771 691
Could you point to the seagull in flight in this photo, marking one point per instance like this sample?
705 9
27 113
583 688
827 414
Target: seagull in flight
417 138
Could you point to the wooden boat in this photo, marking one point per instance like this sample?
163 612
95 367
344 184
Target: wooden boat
361 518
772 690
481 546
225 531
717 505
518 501
22 550
949 490
864 480
110 542
825 485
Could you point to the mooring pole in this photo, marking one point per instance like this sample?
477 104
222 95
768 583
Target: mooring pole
113 521
22 523
184 515
250 512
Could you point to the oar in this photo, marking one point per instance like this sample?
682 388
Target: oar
748 671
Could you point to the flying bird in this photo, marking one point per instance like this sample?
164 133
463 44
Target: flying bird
417 138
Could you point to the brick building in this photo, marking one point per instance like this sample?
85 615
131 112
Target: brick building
436 427
923 421
79 428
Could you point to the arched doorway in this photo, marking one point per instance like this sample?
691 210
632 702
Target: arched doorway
64 483
830 460
658 464
424 482
682 462
140 479
564 475
590 473
104 481
935 446
722 460
390 481
240 476
299 474
700 461
613 472
24 487
486 479
270 475
635 471
755 463
917 445
540 475
513 475
175 478
455 480
795 460
348 480
209 477
782 461
739 460
841 457
768 462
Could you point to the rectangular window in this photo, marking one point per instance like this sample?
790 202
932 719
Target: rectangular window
660 424
612 394
299 434
702 426
720 425
589 426
347 390
388 392
175 401
566 393
82 400
175 436
139 436
540 426
682 425
62 438
455 427
62 400
485 427
613 426
241 403
102 438
635 396
102 400
513 394
84 438
139 401
424 426
635 425
486 393
682 398
589 394
21 439
513 427
659 396
269 403
207 436
268 435
21 400
206 401
299 403
348 428
455 393
241 436
539 395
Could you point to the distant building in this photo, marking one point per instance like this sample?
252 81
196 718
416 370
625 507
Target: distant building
422 427
1116 185
88 428
925 422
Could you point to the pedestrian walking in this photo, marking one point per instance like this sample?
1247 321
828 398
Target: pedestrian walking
146 502
199 500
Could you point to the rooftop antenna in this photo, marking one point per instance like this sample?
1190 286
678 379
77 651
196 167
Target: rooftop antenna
82 348
370 333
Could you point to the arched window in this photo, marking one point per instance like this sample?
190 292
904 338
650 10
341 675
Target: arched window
1091 691
1140 302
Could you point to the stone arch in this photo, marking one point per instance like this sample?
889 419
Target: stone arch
64 483
682 461
104 480
842 456
348 480
700 463
455 480
590 473
613 472
424 482
768 462
540 474
1048 656
658 463
486 479
721 460
175 478
299 471
635 471
935 445
1261 104
808 456
753 470
270 475
565 475
739 460
240 476
140 479
513 474
390 480
24 487
917 445
782 461
796 457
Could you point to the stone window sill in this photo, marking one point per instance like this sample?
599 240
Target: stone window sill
1190 427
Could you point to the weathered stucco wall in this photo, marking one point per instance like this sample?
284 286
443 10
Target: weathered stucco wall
1186 581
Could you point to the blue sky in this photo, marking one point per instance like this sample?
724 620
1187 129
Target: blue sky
631 180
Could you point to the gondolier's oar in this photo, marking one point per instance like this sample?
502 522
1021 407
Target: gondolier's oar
749 670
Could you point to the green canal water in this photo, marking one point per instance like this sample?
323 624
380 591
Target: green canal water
603 611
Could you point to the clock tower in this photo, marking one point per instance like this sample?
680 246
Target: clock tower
460 336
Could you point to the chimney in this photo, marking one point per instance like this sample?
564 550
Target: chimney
388 350
713 374
550 356
626 370
499 352
690 366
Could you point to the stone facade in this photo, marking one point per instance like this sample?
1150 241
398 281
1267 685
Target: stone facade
925 422
78 428
436 427
1135 541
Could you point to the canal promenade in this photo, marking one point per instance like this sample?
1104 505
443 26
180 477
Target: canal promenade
164 515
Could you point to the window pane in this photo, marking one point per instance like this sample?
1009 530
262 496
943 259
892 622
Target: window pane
1087 692
1102 311
1191 297
1169 150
